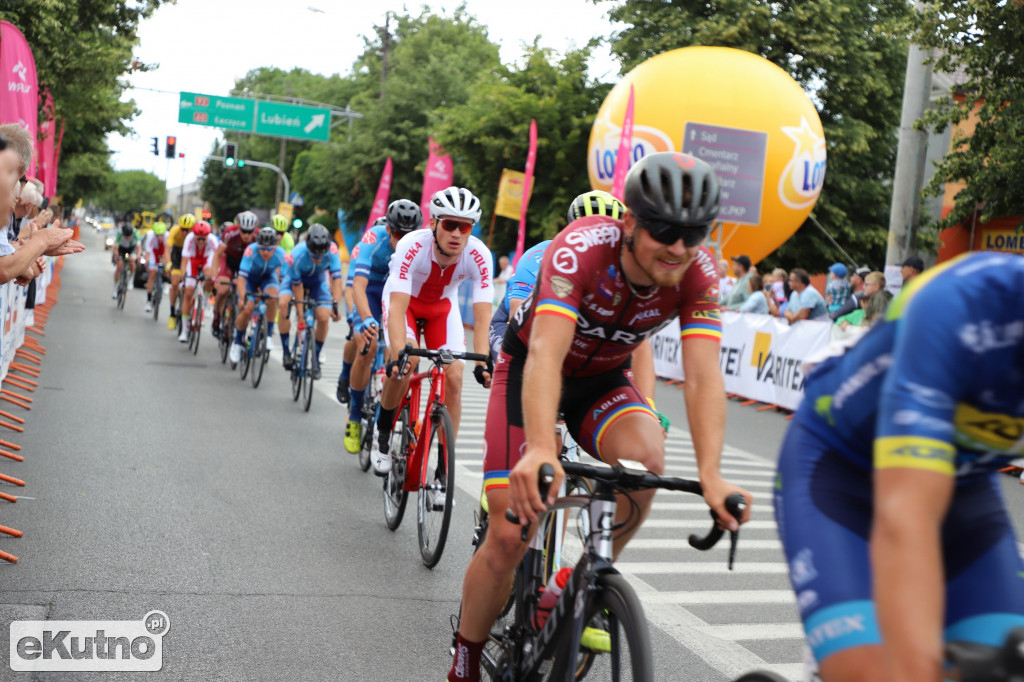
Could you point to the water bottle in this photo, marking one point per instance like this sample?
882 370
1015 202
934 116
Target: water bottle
549 596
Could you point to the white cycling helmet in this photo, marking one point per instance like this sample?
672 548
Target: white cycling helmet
455 202
247 221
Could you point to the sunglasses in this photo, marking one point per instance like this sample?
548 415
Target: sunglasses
266 248
669 233
452 225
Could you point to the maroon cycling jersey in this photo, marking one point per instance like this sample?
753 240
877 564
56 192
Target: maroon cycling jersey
234 247
581 279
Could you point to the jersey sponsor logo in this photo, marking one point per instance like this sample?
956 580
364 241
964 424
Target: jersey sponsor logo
706 265
598 310
611 332
565 261
914 452
403 270
990 430
801 568
986 336
861 378
369 237
706 315
561 286
645 315
806 599
582 240
843 626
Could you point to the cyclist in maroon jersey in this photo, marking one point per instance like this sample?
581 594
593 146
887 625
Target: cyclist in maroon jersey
234 240
604 286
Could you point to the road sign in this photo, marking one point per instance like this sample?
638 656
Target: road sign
738 156
292 120
230 113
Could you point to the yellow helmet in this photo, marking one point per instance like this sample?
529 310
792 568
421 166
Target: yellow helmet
186 221
279 222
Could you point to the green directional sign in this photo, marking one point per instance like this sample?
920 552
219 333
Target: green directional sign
292 120
230 113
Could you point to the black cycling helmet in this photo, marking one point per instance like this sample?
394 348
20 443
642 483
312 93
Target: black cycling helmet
404 216
127 230
672 187
267 236
596 202
318 240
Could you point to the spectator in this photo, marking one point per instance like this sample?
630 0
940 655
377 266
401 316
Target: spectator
873 302
805 303
779 285
857 291
837 291
505 272
741 289
725 281
911 268
757 301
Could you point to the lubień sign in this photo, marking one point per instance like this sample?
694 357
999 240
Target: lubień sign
274 119
292 120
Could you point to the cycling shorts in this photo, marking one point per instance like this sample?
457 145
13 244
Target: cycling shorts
316 290
122 252
152 263
590 406
267 284
823 507
176 259
228 268
443 324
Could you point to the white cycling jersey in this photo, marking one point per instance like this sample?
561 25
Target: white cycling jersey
415 271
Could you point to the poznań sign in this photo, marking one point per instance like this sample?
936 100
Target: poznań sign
255 116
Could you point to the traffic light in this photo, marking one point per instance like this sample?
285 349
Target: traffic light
240 163
156 147
297 223
230 154
171 141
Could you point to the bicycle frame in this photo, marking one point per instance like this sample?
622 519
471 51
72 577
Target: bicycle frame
416 456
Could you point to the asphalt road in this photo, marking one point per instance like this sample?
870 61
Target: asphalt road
159 481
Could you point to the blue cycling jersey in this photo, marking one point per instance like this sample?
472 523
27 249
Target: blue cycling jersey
253 265
374 256
525 276
306 270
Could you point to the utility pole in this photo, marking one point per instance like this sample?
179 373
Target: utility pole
281 159
904 214
385 47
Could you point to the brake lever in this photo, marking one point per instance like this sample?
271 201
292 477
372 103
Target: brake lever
736 504
545 476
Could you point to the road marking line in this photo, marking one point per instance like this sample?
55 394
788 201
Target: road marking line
672 543
702 524
758 631
723 597
700 567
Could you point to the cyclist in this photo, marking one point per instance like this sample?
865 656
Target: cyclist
127 245
604 286
426 271
235 239
153 248
257 273
176 239
886 498
370 272
312 260
196 257
280 225
353 319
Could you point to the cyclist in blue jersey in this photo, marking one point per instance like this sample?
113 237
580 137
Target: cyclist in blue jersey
258 272
886 498
370 271
352 317
312 261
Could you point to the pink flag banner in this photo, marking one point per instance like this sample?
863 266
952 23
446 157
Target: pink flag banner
19 91
380 204
439 174
625 150
46 149
531 160
51 188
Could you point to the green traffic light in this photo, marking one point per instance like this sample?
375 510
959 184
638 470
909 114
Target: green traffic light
229 162
297 223
241 163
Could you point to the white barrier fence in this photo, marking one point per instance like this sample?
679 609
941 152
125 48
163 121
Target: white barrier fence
761 358
15 316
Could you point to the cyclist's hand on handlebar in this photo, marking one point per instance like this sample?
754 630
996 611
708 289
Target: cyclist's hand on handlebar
715 491
523 493
483 374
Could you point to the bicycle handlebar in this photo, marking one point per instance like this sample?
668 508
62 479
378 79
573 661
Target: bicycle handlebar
981 663
445 355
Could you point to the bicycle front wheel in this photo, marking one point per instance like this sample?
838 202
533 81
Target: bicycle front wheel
158 292
308 360
437 488
196 326
243 363
395 495
369 416
259 354
297 368
227 331
122 288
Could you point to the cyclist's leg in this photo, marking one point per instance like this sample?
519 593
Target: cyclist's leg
362 363
444 329
189 295
175 273
284 323
823 508
151 268
318 291
394 388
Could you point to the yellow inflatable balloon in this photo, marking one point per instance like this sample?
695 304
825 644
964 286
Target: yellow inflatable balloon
740 113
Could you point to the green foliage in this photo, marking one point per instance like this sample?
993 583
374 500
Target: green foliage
849 55
229 191
132 190
985 41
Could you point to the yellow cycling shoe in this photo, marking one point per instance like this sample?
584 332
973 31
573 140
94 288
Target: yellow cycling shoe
170 322
353 437
596 640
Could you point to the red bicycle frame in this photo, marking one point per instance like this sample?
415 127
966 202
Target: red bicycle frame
415 471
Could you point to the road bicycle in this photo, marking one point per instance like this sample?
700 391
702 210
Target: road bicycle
255 352
195 325
158 292
305 360
970 662
227 324
371 399
122 283
423 453
597 625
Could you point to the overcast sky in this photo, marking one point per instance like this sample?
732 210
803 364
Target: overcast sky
204 45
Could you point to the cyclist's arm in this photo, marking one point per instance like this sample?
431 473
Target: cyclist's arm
219 256
398 305
643 369
336 287
481 327
358 296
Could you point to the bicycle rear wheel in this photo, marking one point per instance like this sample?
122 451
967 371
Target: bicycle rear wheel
158 292
437 488
297 367
369 416
227 330
395 495
308 361
259 353
195 328
243 363
122 287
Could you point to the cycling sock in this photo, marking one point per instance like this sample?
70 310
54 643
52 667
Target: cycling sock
466 664
346 367
285 345
319 347
270 328
385 418
149 296
356 402
239 336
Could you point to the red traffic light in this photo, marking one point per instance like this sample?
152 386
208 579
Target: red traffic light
171 139
181 155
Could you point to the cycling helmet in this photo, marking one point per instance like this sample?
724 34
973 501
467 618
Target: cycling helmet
186 221
127 230
267 236
318 240
202 229
404 216
674 188
596 203
159 227
380 221
247 221
455 202
279 222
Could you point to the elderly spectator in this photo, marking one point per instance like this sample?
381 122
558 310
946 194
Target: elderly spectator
805 303
872 302
911 268
505 272
757 301
856 293
837 290
725 281
740 290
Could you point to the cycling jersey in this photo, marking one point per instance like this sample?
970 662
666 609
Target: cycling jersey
198 261
373 264
260 274
234 250
581 280
351 269
154 247
303 268
937 387
176 236
518 288
287 242
127 243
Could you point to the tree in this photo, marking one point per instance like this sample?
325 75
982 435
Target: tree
985 41
133 190
229 191
850 57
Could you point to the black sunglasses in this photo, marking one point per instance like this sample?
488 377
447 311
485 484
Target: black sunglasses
669 233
